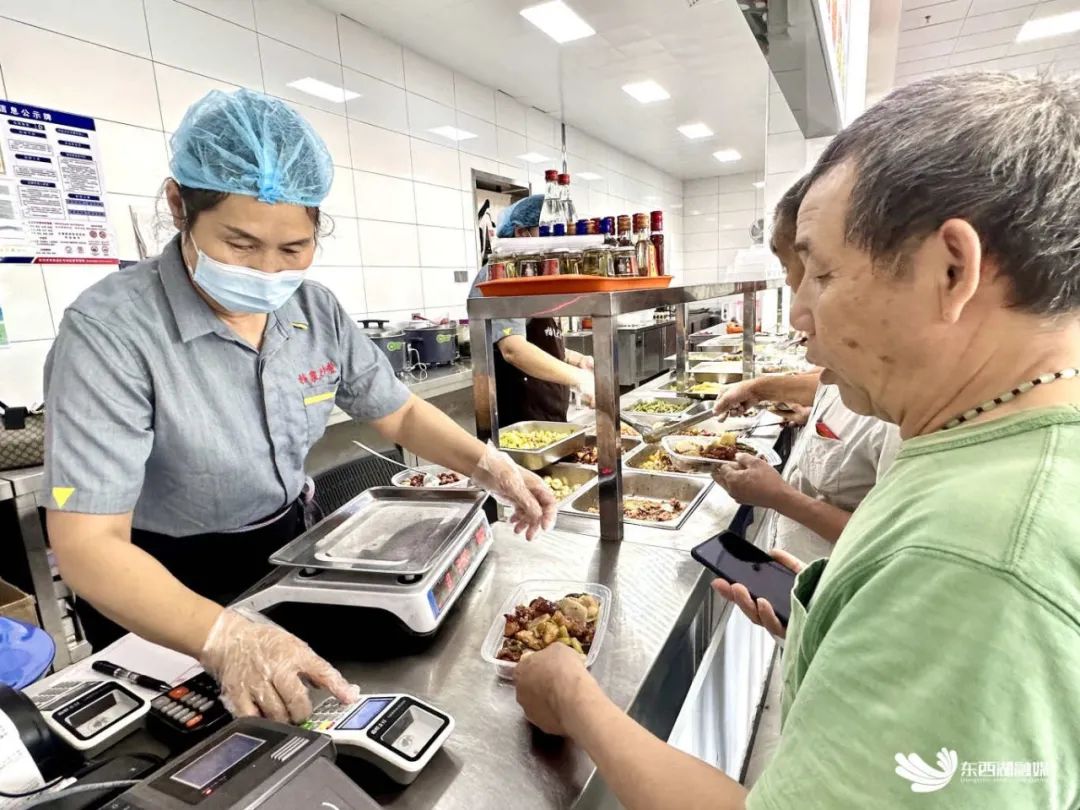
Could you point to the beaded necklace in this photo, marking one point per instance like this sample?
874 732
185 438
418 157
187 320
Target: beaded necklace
1001 399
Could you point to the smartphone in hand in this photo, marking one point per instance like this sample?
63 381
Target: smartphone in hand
738 561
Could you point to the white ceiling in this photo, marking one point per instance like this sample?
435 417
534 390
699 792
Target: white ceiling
704 55
981 35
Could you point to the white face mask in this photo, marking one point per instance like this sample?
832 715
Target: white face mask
241 289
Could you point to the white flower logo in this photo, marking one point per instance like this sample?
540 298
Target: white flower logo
923 778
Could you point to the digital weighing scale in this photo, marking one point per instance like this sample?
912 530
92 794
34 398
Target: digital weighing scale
409 552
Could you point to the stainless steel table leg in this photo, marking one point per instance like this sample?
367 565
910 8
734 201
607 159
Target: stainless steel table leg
749 326
608 436
37 557
680 347
484 395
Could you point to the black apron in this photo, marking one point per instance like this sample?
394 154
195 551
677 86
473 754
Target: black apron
219 566
522 398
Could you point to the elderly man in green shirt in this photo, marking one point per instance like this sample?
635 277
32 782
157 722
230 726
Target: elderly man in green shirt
932 661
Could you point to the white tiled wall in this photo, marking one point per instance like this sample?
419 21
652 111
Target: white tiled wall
399 203
717 215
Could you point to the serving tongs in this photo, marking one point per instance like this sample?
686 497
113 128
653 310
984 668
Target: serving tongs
654 433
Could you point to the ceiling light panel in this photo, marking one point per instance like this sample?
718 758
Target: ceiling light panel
558 21
533 157
323 90
727 155
1043 27
453 133
695 131
646 92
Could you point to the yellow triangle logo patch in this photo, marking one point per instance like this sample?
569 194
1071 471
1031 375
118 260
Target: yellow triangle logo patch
61 495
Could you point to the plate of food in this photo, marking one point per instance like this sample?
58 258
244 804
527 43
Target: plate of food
687 451
540 613
430 477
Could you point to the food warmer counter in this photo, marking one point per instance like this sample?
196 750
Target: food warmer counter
604 309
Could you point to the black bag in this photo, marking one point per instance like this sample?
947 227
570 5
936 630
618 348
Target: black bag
22 437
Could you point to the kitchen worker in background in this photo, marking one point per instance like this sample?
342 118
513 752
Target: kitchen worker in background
839 456
184 393
534 371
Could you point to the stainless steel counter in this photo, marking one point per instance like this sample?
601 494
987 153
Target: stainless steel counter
442 380
662 616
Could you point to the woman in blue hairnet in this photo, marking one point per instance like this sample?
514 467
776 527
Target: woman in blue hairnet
184 393
534 371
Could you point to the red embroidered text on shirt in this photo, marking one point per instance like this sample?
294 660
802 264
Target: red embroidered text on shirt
316 374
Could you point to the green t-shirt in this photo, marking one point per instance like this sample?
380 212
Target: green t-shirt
943 636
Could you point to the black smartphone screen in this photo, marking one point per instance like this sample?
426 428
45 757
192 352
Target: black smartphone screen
736 560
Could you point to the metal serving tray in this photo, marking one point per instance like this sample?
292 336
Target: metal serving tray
387 530
652 418
642 453
657 486
628 444
576 475
541 457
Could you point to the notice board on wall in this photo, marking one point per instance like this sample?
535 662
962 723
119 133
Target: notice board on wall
52 189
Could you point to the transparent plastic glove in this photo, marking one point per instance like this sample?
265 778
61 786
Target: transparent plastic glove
533 502
265 670
586 362
585 386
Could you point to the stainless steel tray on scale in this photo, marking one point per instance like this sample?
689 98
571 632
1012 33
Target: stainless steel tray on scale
386 530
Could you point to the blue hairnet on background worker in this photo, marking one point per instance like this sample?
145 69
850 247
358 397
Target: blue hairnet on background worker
534 371
184 393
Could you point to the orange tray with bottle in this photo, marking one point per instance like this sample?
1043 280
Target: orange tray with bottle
570 285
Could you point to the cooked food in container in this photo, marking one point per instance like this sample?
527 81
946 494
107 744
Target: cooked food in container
530 439
530 628
657 406
650 509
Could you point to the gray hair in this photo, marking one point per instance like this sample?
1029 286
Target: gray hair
996 150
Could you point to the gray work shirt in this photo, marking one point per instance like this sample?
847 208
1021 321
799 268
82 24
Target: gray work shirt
154 404
500 327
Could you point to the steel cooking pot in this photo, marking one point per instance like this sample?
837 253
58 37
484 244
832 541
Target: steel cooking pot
391 342
435 344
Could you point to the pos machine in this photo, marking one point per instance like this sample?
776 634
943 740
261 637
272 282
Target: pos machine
251 763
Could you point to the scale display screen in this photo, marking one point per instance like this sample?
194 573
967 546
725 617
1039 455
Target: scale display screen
217 760
367 712
439 595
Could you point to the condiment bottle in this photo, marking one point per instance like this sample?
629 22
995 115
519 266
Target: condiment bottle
656 222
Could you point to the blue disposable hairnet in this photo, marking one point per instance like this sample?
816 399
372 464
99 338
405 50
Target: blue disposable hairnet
249 143
522 214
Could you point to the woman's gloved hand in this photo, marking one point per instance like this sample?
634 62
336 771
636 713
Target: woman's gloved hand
533 502
585 385
264 670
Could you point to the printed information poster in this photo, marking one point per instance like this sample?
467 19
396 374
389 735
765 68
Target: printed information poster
52 192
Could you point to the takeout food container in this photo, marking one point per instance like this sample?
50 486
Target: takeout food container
763 448
576 475
543 456
654 486
642 454
432 471
553 590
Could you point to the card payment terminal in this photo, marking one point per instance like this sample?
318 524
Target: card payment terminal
251 763
396 733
